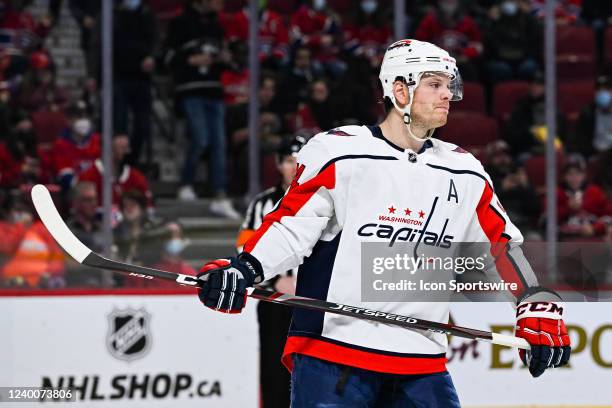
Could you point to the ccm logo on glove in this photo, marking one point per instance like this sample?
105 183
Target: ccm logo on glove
555 310
541 324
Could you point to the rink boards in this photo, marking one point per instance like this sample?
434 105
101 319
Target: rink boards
137 350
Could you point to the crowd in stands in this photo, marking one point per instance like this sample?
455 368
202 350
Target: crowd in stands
319 66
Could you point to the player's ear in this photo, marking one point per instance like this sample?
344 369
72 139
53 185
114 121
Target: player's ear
400 91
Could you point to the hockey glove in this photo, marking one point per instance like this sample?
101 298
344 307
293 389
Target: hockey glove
541 324
226 281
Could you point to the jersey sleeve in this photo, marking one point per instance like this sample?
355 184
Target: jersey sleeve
491 224
290 231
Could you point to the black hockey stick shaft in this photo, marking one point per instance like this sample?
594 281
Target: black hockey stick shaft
82 254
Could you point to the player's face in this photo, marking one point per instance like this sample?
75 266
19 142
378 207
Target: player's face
287 169
432 101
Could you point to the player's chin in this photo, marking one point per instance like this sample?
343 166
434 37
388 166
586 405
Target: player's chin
440 118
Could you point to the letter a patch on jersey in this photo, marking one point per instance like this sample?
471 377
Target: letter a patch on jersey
452 192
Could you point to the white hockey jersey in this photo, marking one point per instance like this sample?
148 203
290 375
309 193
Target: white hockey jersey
347 178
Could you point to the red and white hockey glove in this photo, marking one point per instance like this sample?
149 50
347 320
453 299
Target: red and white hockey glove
226 282
541 324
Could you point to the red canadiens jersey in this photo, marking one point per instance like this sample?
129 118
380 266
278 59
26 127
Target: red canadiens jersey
70 157
352 183
308 26
130 178
235 86
370 40
273 34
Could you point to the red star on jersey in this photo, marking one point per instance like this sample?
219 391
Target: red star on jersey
391 210
407 211
421 214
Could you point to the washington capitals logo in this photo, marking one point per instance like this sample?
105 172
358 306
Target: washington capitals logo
400 43
338 132
128 334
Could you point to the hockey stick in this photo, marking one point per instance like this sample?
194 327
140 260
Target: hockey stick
77 250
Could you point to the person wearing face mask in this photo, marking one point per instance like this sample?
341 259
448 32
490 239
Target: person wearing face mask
133 65
171 259
76 148
594 126
512 41
314 26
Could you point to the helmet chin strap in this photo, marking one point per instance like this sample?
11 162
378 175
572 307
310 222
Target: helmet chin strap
405 112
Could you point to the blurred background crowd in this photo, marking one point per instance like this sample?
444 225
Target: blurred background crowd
180 144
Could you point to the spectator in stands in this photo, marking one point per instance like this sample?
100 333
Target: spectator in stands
512 186
367 32
5 109
86 12
566 11
85 223
598 15
512 39
137 235
315 27
172 259
235 79
594 127
171 248
580 204
12 226
125 177
38 261
197 59
21 31
296 80
273 34
318 113
22 161
525 130
270 130
77 148
449 27
39 90
133 64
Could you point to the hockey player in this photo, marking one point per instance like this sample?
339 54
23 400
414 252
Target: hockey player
273 319
346 178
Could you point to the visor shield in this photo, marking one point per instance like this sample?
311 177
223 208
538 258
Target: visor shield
456 87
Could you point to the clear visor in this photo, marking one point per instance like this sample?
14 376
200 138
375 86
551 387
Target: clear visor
455 86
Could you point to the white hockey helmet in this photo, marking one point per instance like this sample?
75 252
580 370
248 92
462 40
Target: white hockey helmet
408 60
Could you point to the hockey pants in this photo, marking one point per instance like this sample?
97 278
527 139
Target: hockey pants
320 384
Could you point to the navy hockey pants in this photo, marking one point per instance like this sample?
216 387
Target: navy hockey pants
320 384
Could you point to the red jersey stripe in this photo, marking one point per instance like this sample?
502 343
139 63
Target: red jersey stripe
358 358
297 196
493 226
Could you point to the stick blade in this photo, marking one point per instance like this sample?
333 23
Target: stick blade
52 220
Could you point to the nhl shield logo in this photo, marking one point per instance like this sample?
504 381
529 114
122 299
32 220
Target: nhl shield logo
128 335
